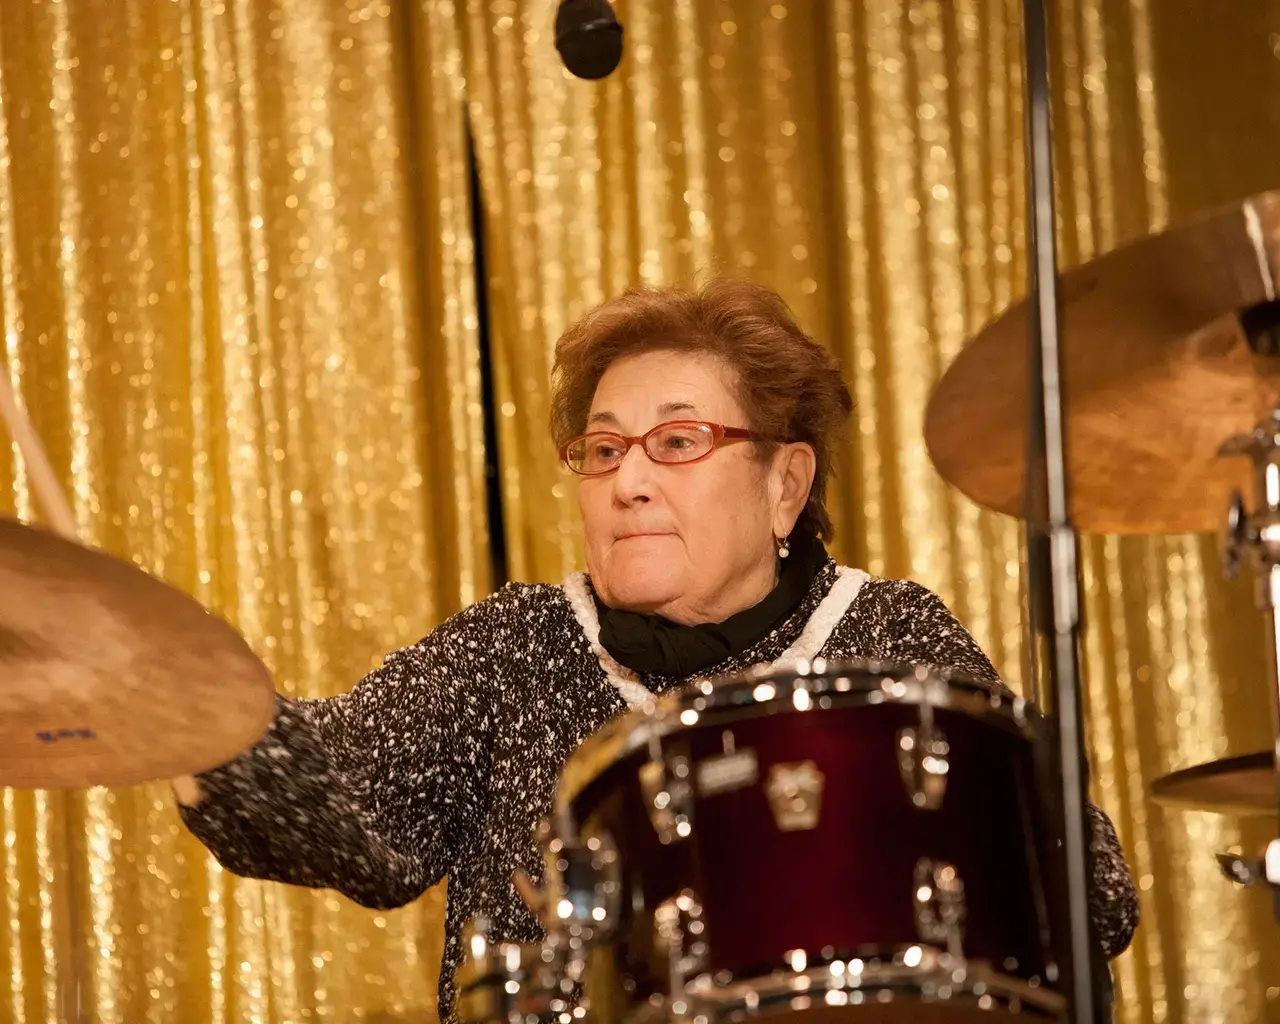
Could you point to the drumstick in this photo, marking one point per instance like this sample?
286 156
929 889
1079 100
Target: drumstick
534 899
44 481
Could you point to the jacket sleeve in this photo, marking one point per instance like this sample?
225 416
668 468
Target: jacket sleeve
920 629
370 791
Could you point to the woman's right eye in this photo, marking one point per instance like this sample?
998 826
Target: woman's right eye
604 450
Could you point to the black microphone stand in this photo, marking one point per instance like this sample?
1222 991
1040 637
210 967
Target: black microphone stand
1052 545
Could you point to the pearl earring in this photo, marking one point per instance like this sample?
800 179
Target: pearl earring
784 549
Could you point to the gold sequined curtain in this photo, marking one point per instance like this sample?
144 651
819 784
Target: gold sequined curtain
236 282
865 158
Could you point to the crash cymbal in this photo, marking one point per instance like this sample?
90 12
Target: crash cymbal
1158 374
109 677
1233 785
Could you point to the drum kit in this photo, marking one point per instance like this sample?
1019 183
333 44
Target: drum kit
883 842
850 837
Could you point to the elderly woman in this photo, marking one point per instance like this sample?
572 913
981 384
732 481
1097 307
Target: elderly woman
701 428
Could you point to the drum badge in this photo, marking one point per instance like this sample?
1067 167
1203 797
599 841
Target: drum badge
795 795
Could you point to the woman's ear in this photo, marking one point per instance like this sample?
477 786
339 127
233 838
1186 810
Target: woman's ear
794 469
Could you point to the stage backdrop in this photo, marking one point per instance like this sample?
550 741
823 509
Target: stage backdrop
235 279
866 159
240 307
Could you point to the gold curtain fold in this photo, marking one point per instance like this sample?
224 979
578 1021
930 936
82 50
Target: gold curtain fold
236 282
865 157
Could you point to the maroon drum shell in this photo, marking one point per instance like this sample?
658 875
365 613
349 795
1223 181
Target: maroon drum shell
845 887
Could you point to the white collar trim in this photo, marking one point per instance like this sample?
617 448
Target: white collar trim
811 640
625 681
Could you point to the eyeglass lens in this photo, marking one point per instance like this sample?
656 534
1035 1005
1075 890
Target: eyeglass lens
671 442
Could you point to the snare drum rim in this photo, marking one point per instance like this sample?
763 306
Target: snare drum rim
744 695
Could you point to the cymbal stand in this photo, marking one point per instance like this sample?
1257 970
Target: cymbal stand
1256 536
1053 550
44 482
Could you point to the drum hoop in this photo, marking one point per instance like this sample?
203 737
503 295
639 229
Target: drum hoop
845 683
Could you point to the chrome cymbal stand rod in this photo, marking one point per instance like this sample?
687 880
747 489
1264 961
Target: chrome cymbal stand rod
1256 535
1053 548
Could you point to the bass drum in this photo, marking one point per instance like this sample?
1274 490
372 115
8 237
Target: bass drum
852 840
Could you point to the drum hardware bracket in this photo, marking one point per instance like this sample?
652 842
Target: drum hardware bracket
582 890
667 785
924 760
1256 536
1261 871
680 932
795 795
939 905
1260 324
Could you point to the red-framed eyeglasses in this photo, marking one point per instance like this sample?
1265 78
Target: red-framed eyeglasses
678 442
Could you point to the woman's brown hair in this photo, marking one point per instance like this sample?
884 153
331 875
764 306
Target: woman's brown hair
789 386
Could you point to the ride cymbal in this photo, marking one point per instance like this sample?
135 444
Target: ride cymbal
1158 373
109 677
1233 785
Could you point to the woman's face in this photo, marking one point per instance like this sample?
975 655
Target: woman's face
693 543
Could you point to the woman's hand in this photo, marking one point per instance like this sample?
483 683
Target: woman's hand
187 790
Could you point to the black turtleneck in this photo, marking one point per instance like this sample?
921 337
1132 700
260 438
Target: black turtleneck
652 645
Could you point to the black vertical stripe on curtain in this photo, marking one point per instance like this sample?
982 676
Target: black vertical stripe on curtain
492 475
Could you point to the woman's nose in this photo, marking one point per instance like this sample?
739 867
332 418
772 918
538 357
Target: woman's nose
633 480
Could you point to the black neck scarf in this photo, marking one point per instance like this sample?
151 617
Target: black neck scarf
652 645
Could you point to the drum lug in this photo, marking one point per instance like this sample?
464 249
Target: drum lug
498 982
680 933
582 894
939 904
668 796
924 759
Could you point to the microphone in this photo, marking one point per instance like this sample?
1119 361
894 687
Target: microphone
589 37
